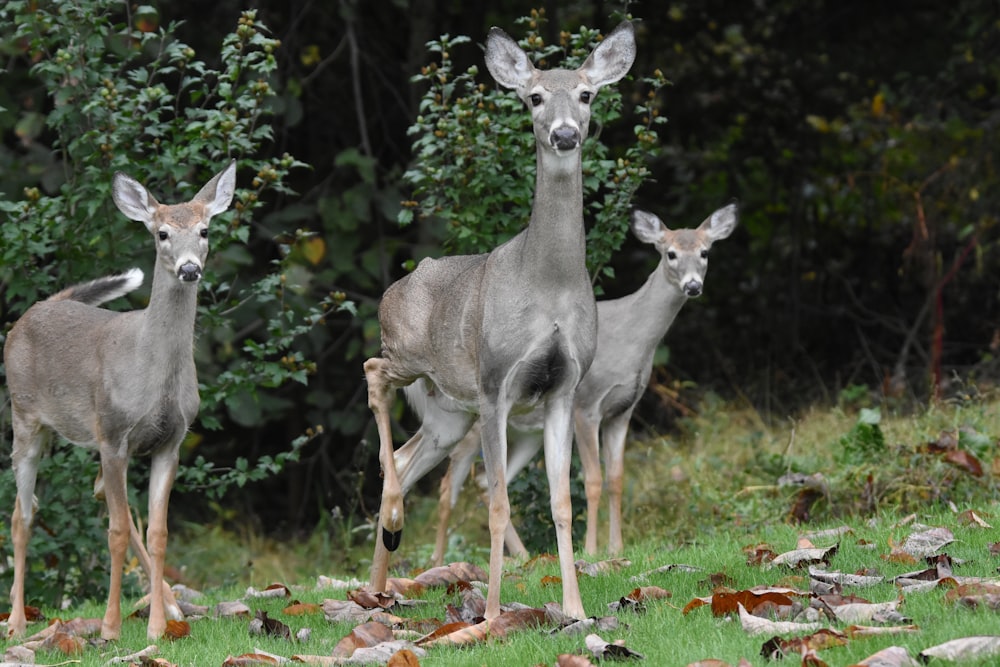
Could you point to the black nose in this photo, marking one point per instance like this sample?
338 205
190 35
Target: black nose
565 138
692 288
189 272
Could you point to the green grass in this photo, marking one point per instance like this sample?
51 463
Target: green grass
695 497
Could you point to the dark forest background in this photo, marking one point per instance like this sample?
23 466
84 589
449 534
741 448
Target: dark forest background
859 138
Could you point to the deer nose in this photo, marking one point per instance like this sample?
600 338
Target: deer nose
565 138
692 288
189 272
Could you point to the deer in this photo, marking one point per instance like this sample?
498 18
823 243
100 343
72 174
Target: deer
122 383
628 330
495 335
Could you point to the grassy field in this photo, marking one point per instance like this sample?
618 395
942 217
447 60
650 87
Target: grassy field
697 497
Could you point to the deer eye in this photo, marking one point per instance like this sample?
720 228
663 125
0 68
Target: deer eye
536 99
163 236
204 233
586 96
704 254
671 255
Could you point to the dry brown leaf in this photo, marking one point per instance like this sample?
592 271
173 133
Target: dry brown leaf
572 660
403 658
248 659
972 590
603 650
695 603
233 608
302 609
844 578
457 634
893 656
724 603
450 574
965 648
31 614
973 518
853 631
760 554
550 580
82 627
947 447
601 567
755 625
177 630
404 587
262 624
927 542
347 610
365 635
517 619
776 647
799 557
371 600
145 653
146 661
540 559
272 591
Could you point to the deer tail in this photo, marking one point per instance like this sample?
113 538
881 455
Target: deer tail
98 291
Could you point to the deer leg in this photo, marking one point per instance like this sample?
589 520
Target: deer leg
114 466
587 444
171 608
614 432
459 467
380 400
558 452
520 454
163 470
29 443
494 432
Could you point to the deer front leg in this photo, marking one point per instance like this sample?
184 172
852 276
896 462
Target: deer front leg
161 479
114 468
613 435
20 529
29 442
494 438
587 445
558 452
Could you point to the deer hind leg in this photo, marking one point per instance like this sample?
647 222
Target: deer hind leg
586 428
30 440
613 435
520 453
459 467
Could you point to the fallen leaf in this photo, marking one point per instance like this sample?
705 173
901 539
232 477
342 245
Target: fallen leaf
365 635
456 634
798 557
272 591
893 656
572 660
248 659
853 631
755 625
177 630
517 619
928 542
601 567
262 624
450 574
602 650
664 569
302 609
845 579
337 611
235 608
728 603
972 518
965 648
972 590
550 580
403 658
371 600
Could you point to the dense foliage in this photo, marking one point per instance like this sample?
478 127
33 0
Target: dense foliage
859 140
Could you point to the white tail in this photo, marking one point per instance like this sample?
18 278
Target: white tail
122 383
501 333
629 329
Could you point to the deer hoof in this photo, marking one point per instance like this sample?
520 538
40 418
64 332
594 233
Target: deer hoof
390 539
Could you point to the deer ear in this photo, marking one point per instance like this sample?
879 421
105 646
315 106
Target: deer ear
613 57
721 223
647 227
133 199
506 61
217 194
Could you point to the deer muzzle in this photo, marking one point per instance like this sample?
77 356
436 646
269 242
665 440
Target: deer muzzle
692 288
189 272
565 138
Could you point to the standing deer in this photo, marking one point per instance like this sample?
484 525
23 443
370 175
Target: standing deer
628 330
498 334
122 383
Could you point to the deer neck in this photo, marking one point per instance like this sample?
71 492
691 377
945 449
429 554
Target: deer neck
656 304
168 321
555 239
